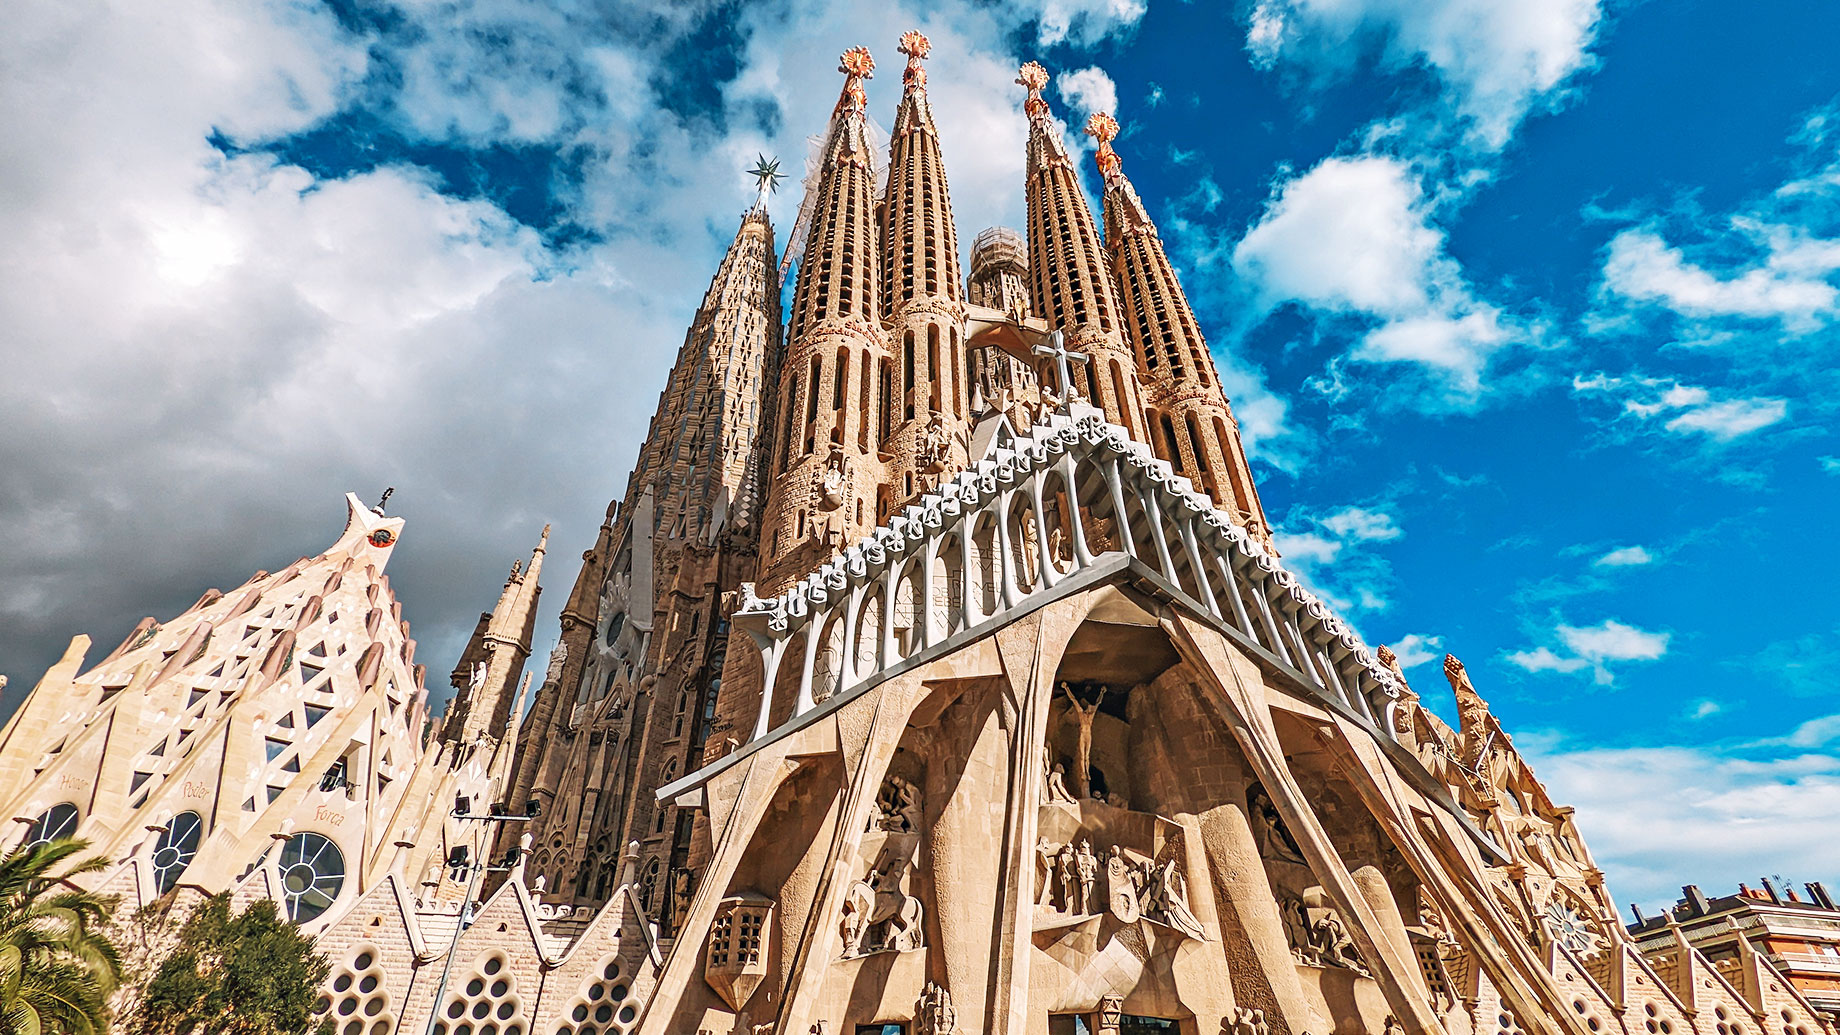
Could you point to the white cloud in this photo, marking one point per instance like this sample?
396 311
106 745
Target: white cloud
220 346
1735 812
1687 409
1360 524
1789 285
1088 90
1329 551
1704 708
1625 557
1354 236
1542 659
1414 649
1497 61
1085 23
1762 275
1594 647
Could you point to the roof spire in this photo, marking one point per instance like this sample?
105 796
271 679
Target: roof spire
856 64
916 46
385 498
1103 128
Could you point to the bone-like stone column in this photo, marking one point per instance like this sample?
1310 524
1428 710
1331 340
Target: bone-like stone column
1379 895
1249 918
971 753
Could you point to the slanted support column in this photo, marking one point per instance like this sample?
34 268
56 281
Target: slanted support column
771 650
814 631
1043 563
1081 554
1126 541
1226 672
1231 585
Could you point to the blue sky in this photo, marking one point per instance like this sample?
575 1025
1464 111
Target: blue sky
1528 310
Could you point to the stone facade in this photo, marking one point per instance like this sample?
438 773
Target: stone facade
934 674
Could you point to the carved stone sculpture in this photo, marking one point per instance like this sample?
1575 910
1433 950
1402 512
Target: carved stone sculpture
1054 781
1247 1022
897 807
1082 714
878 913
1173 899
1089 875
1045 851
1111 1012
1121 890
933 1013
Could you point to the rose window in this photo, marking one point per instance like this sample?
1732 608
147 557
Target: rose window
1570 928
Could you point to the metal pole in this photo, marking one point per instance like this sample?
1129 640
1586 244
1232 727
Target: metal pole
447 966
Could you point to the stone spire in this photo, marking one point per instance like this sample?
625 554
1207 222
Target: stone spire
1191 424
827 446
1072 281
644 621
921 297
493 661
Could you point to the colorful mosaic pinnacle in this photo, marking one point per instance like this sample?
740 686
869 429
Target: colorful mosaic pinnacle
1103 128
916 46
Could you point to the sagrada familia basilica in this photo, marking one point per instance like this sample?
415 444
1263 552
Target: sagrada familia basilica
935 674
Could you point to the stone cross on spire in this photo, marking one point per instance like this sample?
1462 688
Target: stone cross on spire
916 46
1103 128
857 64
1057 347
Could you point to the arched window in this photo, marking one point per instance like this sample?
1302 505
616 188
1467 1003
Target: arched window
312 874
175 850
648 886
59 820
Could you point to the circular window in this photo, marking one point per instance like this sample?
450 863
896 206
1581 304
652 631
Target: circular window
312 874
59 820
175 850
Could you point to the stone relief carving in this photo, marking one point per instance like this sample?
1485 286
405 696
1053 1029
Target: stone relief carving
1245 1022
878 913
933 450
1275 839
1317 935
1127 884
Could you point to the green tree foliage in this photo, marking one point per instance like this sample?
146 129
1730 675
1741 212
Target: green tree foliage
252 973
57 967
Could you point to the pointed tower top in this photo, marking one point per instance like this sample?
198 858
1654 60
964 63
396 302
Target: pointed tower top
1103 128
856 64
916 46
1035 79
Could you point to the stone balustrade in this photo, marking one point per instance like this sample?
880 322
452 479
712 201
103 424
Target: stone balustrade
1001 535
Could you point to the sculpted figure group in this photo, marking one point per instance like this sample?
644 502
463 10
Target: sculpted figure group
1132 887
